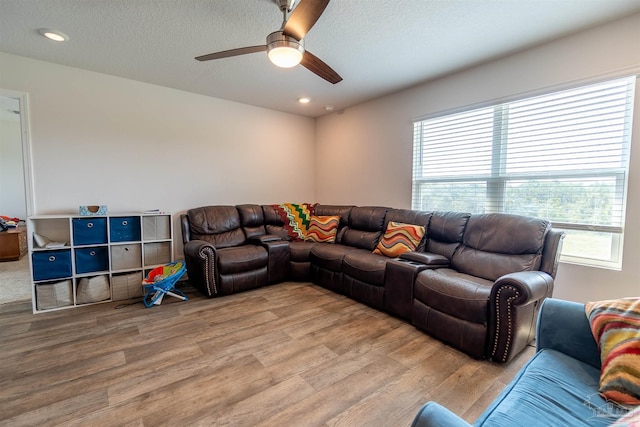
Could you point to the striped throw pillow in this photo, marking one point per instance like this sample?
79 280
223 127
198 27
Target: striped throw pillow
323 229
399 238
615 325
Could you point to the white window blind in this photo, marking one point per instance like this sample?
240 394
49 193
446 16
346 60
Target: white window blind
562 156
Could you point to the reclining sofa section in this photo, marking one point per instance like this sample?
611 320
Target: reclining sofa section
475 282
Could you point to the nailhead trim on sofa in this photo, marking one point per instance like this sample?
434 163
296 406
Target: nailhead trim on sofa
209 259
503 357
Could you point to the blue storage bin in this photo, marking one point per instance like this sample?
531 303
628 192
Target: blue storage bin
124 228
92 259
49 265
89 231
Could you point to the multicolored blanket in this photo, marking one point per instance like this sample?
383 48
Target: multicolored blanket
615 325
296 217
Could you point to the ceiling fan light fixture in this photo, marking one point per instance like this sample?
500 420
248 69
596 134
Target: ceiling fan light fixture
284 51
285 47
285 57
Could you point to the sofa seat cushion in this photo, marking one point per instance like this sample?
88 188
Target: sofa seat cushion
329 256
552 388
241 259
366 267
300 251
457 294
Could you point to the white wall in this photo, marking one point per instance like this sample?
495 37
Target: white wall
364 156
12 192
99 139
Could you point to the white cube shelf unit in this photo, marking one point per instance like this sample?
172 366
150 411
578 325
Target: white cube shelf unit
78 260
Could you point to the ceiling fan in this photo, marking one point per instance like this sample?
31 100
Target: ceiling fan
285 47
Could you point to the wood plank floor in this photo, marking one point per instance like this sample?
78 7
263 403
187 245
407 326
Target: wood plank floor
292 354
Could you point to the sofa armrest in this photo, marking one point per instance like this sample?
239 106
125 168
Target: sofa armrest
194 247
200 257
513 309
184 226
563 326
279 260
433 414
258 240
399 276
529 286
279 256
429 259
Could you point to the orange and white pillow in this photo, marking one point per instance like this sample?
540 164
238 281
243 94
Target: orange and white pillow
323 229
399 238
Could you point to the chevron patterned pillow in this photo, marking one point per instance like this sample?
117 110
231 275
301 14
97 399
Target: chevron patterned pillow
295 218
615 325
399 238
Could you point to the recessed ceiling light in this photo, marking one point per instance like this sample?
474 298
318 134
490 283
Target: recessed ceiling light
53 35
329 107
304 100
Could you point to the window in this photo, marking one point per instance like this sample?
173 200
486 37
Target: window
562 156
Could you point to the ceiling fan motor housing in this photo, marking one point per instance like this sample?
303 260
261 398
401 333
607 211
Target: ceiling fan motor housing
277 42
285 5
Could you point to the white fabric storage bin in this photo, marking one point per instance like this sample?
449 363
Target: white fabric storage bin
54 295
156 227
126 286
157 253
93 289
126 257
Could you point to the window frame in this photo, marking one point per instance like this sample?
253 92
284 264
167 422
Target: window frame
497 180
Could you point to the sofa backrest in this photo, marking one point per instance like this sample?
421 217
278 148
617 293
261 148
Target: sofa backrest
366 225
252 220
274 225
445 232
342 211
496 244
273 222
551 252
407 216
218 225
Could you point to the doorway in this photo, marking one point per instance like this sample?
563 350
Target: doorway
16 187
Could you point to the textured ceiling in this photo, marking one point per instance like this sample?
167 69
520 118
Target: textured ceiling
377 46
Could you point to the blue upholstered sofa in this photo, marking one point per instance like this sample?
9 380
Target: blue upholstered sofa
557 387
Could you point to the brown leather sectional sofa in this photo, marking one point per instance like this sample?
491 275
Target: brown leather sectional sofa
475 282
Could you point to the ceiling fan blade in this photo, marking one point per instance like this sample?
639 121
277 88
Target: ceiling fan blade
232 52
304 15
315 65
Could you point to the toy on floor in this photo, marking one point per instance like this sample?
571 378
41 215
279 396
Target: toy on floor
161 281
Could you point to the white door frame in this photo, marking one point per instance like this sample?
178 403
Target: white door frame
27 161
